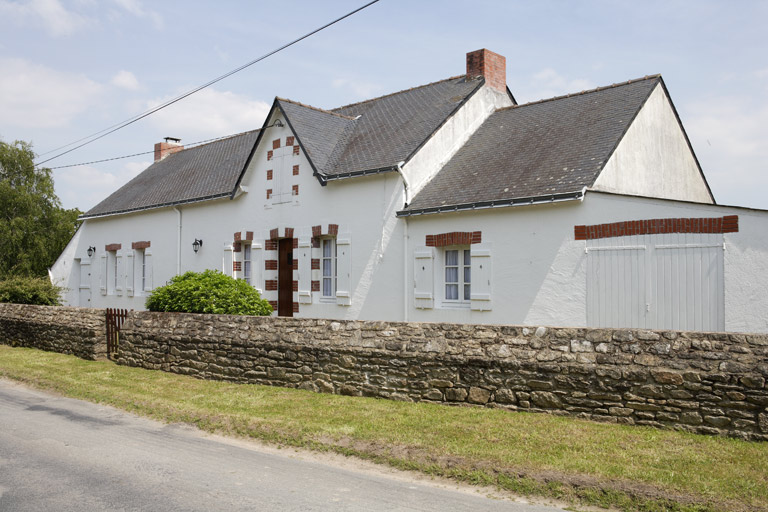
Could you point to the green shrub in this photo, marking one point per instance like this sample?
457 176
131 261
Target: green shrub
208 292
29 290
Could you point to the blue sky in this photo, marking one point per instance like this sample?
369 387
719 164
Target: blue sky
71 68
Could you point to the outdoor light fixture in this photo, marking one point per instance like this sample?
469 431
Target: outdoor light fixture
91 250
278 123
197 244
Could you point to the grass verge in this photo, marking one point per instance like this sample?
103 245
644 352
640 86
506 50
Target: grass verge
629 468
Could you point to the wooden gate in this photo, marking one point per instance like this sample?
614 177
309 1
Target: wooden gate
115 320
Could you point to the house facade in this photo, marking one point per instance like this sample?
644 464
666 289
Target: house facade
445 202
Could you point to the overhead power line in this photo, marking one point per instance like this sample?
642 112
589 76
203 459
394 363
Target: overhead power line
115 127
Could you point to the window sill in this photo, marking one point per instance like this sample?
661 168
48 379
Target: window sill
454 305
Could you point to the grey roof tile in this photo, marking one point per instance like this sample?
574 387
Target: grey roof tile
550 147
194 174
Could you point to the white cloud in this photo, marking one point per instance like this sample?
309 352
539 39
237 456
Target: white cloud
56 19
207 114
85 186
125 80
548 83
363 90
32 95
137 9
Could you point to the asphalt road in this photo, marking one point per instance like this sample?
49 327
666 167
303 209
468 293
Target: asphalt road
59 454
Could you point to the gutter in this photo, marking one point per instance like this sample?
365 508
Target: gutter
326 178
482 205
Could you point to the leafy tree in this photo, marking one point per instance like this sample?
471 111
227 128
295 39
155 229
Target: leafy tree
29 290
208 292
34 228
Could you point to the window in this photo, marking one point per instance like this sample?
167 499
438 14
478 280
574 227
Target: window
328 266
246 251
458 271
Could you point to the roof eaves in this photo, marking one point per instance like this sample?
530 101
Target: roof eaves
355 174
253 150
154 206
501 203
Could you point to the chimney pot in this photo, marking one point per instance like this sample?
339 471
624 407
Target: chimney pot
164 149
491 66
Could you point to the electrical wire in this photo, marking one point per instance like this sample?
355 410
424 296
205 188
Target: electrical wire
103 133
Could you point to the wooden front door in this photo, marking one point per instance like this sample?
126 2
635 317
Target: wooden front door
285 277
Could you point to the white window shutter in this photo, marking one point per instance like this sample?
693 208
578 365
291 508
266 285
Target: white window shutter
148 270
103 275
227 267
120 281
424 277
129 273
305 270
480 295
343 272
257 267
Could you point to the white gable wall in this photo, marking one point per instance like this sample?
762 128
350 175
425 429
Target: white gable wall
653 159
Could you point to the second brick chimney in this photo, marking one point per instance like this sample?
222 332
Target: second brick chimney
170 146
490 65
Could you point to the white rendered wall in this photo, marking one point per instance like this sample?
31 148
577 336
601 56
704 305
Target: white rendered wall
653 158
65 271
450 137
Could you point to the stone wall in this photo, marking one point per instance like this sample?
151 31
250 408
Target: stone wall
710 383
68 330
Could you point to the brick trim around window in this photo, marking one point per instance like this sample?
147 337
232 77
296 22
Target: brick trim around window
113 247
727 224
140 245
454 238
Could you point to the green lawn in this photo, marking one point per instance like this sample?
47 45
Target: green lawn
631 468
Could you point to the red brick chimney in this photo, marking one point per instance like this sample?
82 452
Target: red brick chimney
170 146
490 65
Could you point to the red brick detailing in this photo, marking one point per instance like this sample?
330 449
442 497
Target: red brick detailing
238 236
113 247
333 229
295 244
317 230
295 307
295 170
288 232
140 245
269 193
273 303
315 286
316 243
295 286
249 236
289 141
454 238
274 234
270 245
295 190
269 174
490 65
315 263
270 285
296 150
237 266
295 265
275 143
270 264
270 154
237 247
727 224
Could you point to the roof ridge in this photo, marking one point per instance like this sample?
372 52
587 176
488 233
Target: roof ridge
581 93
214 141
349 118
399 92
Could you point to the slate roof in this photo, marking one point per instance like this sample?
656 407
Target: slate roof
195 174
547 149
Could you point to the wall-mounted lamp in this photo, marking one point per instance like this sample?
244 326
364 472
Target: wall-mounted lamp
91 251
197 244
278 123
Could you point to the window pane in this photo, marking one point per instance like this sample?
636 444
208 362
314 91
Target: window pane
247 271
327 287
451 275
467 272
467 257
327 268
452 258
246 251
327 248
466 292
452 292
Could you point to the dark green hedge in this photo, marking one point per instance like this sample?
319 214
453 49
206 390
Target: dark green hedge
29 290
208 292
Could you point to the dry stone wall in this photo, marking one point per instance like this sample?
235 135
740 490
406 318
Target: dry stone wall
76 331
710 383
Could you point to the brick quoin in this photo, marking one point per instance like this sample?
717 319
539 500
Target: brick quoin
237 247
249 236
288 232
727 224
269 193
295 307
113 247
270 285
315 263
270 245
270 154
454 238
289 141
275 143
317 230
238 236
295 190
273 303
295 150
333 229
140 245
237 266
270 264
295 286
274 234
296 171
315 286
269 174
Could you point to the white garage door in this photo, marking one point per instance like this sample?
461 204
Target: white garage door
669 281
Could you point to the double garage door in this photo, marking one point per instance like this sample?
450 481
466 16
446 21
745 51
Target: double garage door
663 281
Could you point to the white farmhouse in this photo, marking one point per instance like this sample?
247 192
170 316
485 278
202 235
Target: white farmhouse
444 203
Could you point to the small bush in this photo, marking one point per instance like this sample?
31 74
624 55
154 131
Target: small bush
208 292
29 290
